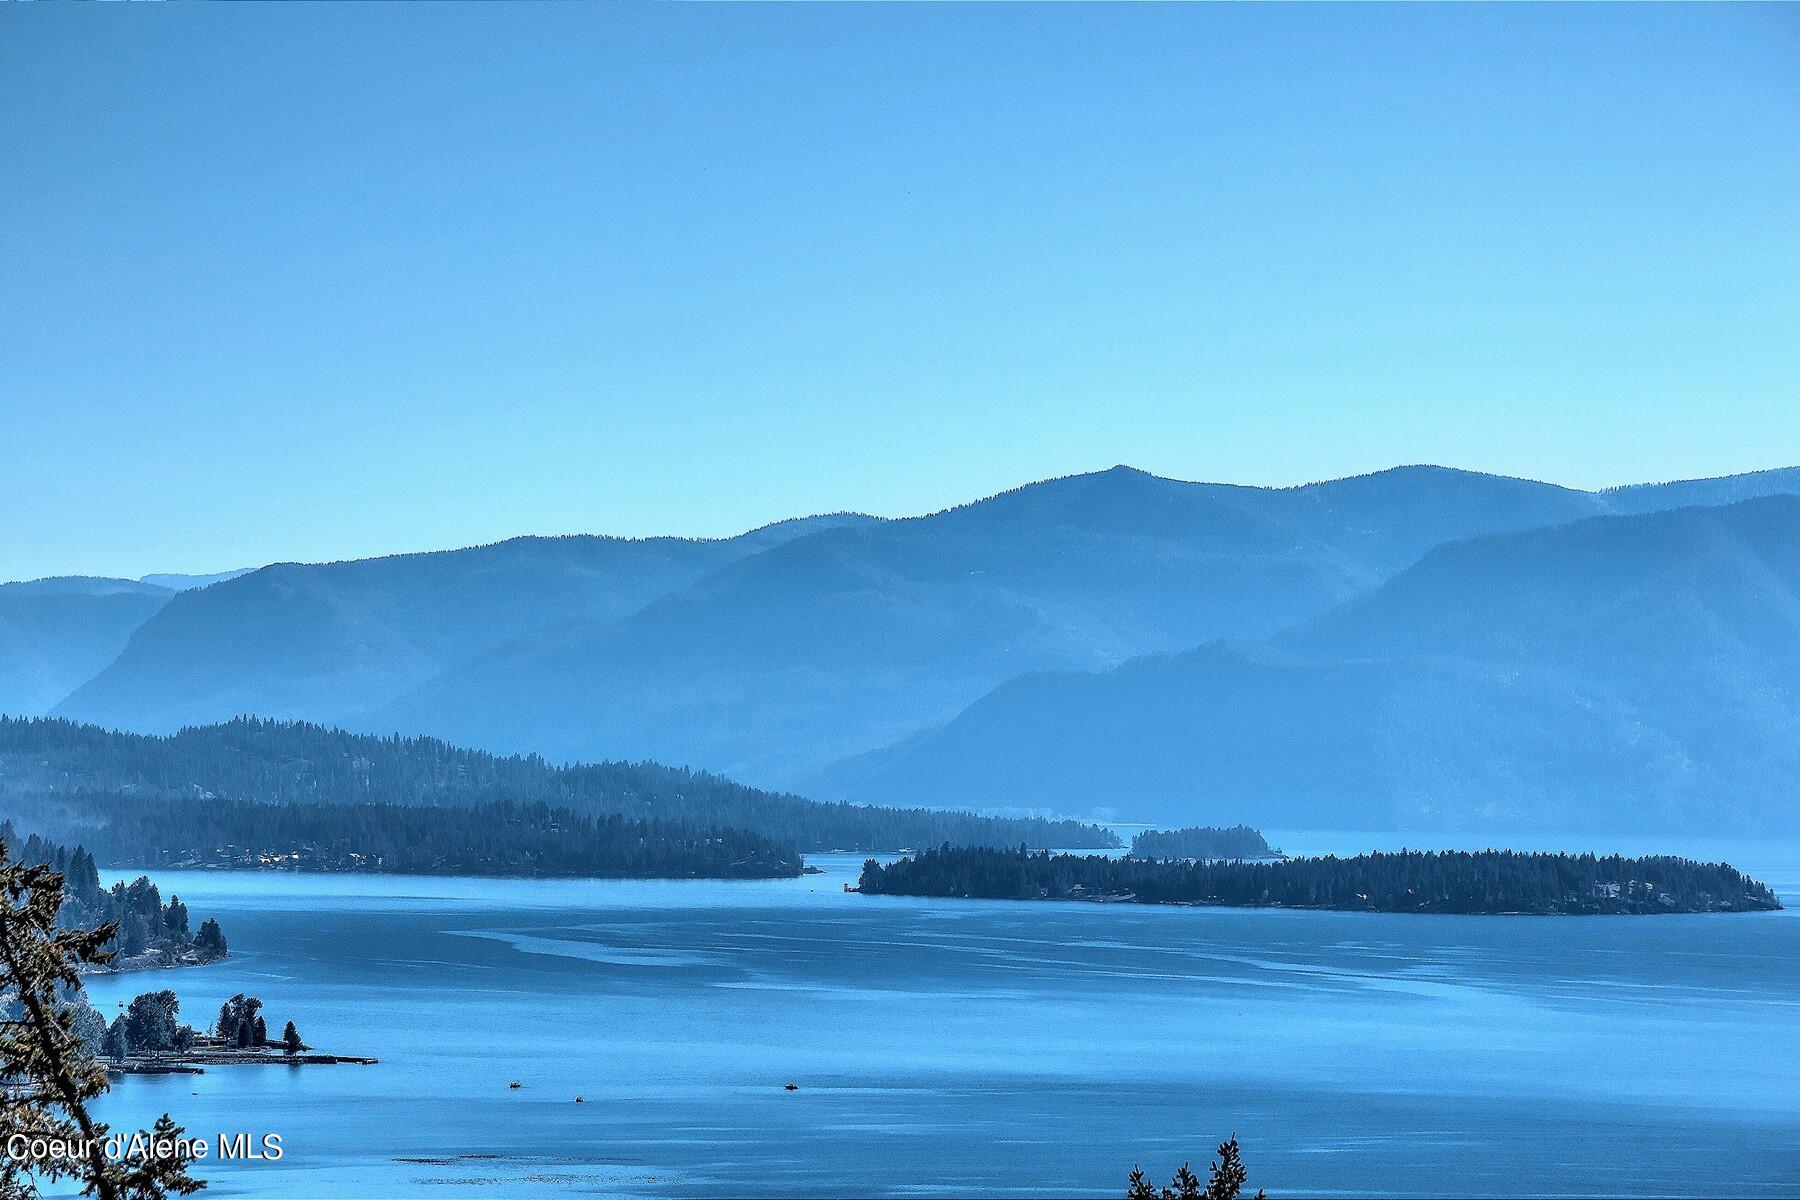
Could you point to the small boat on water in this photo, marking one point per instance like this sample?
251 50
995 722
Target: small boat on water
790 1087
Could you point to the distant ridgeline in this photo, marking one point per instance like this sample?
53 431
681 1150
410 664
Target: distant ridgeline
1202 841
1487 881
488 839
357 798
151 933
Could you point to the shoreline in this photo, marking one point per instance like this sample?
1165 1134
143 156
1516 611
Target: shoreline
128 968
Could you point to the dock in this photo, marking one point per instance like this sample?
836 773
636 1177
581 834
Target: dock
196 1062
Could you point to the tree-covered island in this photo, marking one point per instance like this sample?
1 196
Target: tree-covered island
1409 881
1202 841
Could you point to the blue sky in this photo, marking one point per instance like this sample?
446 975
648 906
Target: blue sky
306 282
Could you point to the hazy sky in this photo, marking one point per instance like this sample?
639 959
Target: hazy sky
304 282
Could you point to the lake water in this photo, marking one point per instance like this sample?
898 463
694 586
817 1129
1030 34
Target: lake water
975 1047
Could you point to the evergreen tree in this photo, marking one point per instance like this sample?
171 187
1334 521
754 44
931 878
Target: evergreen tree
136 937
175 917
210 941
118 1042
1225 1180
150 1021
290 1039
87 1024
48 1076
1228 1174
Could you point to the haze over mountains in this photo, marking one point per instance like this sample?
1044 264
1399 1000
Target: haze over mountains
1617 673
1419 647
57 633
787 661
333 641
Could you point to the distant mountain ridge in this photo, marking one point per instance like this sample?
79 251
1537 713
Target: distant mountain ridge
331 640
1726 489
57 633
782 663
1619 672
786 666
820 653
182 583
84 585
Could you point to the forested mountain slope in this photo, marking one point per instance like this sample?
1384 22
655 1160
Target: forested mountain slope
49 768
327 641
1622 672
834 644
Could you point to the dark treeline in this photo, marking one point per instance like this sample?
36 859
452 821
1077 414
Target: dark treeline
1201 841
241 1024
150 932
1225 1180
493 839
813 825
1487 881
281 762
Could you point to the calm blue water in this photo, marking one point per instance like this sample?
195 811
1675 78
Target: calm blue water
962 1047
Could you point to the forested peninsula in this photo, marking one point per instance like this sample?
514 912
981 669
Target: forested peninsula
488 839
61 766
151 933
1409 881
